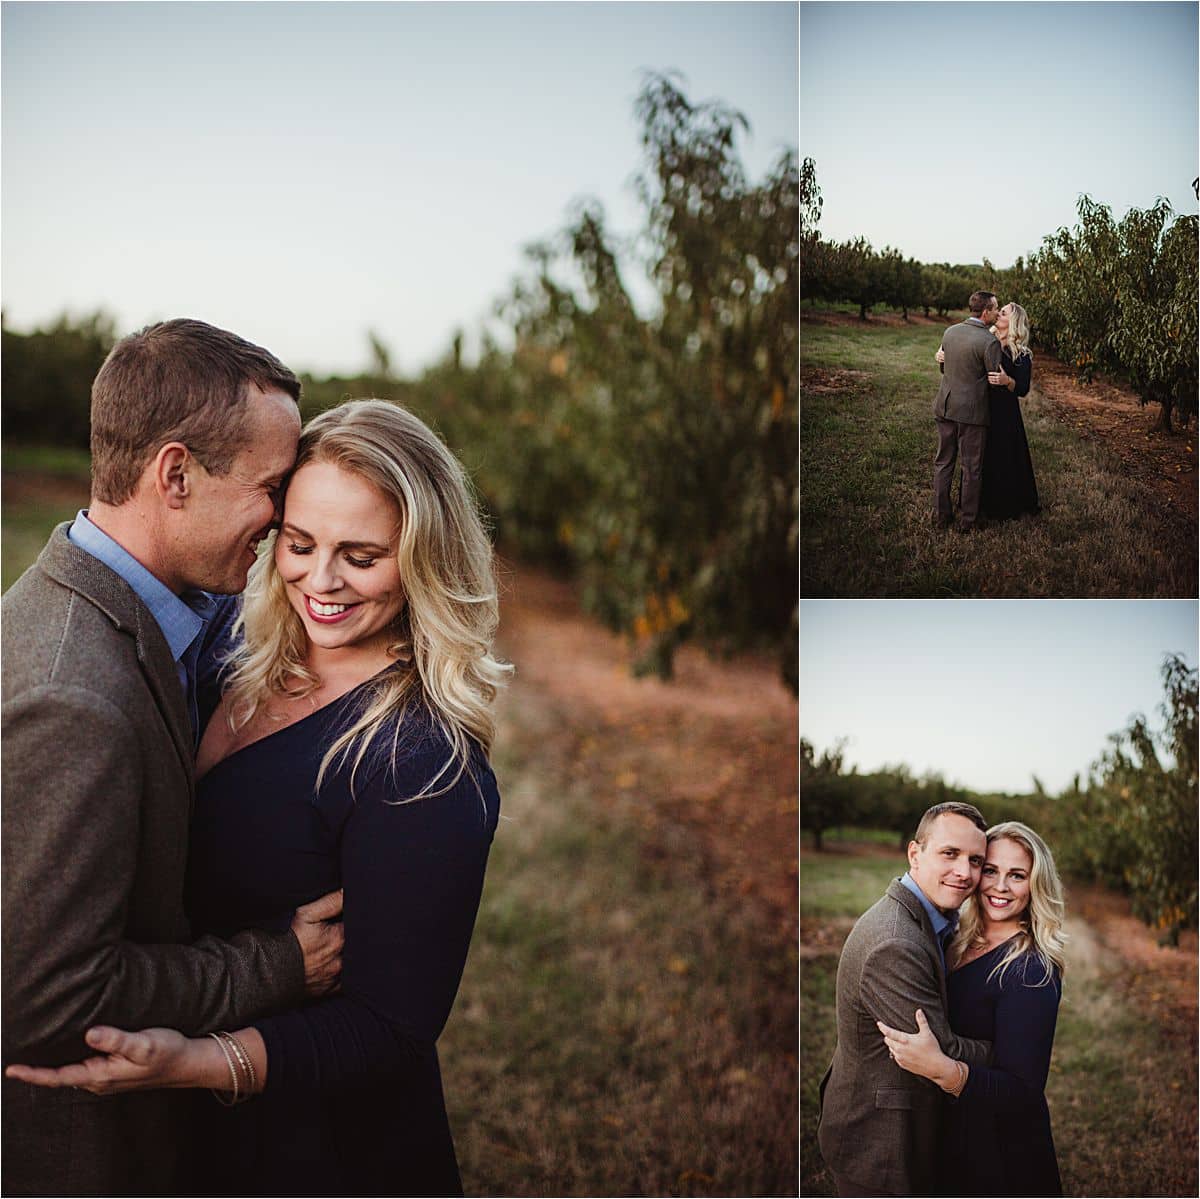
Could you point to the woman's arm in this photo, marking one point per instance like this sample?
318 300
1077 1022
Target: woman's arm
412 875
920 1053
1025 1021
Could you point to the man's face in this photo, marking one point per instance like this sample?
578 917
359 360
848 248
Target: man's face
948 865
228 515
991 312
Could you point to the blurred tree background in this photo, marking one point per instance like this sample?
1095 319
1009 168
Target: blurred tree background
653 456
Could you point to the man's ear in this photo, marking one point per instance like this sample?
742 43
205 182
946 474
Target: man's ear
914 847
172 472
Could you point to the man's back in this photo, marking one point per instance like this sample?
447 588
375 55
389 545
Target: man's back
971 351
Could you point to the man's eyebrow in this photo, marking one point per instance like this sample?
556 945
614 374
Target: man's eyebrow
341 545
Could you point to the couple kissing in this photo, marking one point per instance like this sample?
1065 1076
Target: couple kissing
986 366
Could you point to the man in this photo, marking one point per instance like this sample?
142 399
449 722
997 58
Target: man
193 432
879 1124
961 410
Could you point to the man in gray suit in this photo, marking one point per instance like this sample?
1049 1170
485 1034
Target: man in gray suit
879 1124
193 433
961 410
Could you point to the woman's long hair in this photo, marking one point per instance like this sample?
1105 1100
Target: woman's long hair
1018 333
443 634
1041 924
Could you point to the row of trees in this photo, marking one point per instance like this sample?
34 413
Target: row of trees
1133 825
1108 295
655 455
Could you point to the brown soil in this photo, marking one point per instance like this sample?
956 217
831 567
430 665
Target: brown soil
714 751
1160 979
21 487
1107 412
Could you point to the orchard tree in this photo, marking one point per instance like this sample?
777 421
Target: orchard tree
1148 807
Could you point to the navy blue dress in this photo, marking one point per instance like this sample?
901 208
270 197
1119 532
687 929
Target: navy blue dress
1008 488
996 1136
353 1101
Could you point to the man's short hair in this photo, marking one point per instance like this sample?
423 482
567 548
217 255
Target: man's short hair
180 380
980 302
955 808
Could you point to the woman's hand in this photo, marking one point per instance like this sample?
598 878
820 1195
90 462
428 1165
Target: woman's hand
134 1061
919 1052
940 356
999 379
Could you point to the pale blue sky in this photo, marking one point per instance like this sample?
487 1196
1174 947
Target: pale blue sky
985 692
958 131
299 172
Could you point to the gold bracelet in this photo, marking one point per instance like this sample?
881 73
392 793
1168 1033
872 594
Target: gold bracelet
233 1074
244 1061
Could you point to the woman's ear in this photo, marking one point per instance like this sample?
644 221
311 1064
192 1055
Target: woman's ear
172 468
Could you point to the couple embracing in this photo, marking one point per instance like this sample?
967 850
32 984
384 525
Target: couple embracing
209 755
986 367
945 1020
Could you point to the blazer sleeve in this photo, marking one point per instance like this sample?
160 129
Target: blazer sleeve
1026 1017
993 352
896 980
412 874
70 854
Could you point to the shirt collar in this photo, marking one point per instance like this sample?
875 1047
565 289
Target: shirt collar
181 618
937 917
975 320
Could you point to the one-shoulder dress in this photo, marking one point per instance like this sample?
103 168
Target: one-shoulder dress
996 1137
1009 488
353 1102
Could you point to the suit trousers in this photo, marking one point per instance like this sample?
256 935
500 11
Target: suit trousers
954 440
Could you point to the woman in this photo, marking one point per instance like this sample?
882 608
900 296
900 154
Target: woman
347 749
1008 487
1004 987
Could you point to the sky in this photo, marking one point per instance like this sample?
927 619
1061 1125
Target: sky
955 132
303 172
986 693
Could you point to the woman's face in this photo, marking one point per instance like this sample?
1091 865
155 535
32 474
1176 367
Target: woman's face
1002 320
336 552
1004 884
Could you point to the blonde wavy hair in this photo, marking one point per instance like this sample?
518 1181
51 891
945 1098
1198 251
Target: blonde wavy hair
1018 332
1041 924
444 632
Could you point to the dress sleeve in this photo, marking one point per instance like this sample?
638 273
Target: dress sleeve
896 980
1026 1016
412 875
1022 373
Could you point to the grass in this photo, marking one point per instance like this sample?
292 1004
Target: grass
866 478
618 1031
61 477
621 1029
1122 1087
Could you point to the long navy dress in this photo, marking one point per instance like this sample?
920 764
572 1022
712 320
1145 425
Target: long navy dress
996 1136
353 1101
1008 488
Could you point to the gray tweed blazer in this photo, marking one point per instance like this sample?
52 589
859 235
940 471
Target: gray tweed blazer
879 1124
971 351
98 784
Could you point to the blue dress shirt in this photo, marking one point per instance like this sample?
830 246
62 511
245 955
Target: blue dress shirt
181 618
944 927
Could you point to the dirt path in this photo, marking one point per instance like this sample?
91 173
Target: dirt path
716 749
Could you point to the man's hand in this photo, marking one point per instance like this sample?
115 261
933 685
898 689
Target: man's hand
320 942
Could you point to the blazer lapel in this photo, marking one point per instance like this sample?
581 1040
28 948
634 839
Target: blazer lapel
899 892
95 582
